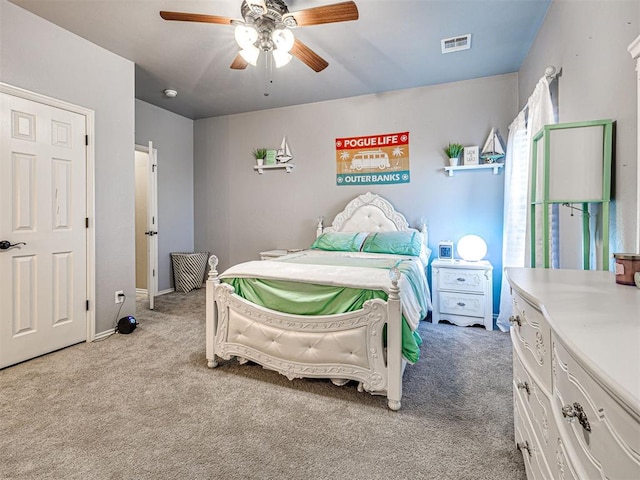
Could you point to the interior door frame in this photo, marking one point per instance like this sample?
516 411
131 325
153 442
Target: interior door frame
634 50
90 190
152 225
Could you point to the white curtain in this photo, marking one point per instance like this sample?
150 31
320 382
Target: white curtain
516 189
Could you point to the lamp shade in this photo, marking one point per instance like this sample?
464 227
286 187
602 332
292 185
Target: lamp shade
246 36
281 57
250 54
283 39
472 248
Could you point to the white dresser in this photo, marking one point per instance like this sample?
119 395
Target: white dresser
462 292
576 374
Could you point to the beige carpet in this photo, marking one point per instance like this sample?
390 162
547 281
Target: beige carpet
145 406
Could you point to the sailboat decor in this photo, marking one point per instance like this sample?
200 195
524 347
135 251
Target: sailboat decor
283 154
493 149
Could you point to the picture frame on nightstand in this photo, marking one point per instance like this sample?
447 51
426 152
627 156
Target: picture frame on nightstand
471 155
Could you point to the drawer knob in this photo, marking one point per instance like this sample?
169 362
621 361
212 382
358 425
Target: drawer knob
515 320
524 386
524 446
461 304
461 279
572 411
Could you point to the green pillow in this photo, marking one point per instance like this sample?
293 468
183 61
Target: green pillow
397 243
340 241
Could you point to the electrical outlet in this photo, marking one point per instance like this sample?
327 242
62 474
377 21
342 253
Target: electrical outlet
120 296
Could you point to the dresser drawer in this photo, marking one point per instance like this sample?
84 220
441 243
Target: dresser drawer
462 280
534 460
537 404
462 304
531 337
536 400
607 440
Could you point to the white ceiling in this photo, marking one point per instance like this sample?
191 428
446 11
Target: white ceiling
395 44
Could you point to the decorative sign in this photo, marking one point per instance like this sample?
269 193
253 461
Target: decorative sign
375 159
472 155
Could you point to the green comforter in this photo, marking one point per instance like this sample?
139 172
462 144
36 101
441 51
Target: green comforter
316 299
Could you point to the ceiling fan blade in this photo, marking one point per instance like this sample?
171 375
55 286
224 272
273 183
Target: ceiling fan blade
239 63
195 17
308 56
337 12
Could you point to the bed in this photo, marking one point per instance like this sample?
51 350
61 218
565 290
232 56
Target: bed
345 309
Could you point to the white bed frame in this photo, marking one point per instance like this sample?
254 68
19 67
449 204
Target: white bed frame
341 347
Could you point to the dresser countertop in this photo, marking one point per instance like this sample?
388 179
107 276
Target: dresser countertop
596 318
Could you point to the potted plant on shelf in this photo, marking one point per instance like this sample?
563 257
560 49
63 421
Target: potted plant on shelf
260 154
453 151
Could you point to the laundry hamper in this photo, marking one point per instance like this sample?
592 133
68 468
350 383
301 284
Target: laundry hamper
188 270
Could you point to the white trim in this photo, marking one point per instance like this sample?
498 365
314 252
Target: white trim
634 50
103 335
90 189
143 291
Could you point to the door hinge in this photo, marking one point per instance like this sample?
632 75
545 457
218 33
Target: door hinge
86 140
154 273
87 305
86 222
153 168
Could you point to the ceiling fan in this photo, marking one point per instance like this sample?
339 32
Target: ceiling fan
266 27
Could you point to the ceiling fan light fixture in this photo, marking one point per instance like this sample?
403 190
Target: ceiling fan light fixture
250 54
289 21
258 7
245 36
283 39
281 57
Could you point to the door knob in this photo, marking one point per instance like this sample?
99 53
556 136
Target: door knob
6 244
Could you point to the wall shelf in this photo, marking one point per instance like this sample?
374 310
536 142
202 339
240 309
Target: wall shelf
279 166
485 166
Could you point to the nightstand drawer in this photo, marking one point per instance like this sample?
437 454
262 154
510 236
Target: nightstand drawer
462 304
462 280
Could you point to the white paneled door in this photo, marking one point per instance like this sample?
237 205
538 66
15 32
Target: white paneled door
43 210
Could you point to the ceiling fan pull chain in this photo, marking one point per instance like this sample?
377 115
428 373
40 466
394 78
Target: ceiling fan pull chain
268 74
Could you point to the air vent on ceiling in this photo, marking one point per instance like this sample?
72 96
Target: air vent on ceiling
455 44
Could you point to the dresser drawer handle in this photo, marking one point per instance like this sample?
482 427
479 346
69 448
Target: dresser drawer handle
524 446
571 412
461 279
461 304
515 319
524 386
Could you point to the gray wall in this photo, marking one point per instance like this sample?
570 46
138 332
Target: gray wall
172 136
239 212
589 41
39 56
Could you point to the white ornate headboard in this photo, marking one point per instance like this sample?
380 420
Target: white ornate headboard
369 213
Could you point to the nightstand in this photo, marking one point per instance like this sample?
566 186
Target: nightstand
462 292
271 254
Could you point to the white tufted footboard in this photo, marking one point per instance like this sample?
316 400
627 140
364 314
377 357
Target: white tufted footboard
346 346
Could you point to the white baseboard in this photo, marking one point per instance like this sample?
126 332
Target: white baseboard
103 335
143 291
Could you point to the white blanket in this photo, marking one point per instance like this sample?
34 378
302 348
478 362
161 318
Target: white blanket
336 275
